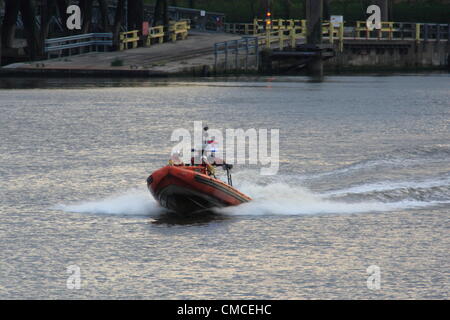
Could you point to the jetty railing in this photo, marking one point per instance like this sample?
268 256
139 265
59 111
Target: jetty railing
154 33
129 37
405 31
82 42
276 29
177 30
285 32
259 26
237 54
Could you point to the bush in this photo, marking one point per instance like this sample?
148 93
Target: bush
117 63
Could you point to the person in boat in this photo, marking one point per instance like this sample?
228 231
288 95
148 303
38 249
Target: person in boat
207 158
175 159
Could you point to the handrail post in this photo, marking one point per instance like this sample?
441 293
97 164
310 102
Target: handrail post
280 39
246 54
331 32
257 52
215 57
226 55
304 28
292 36
391 31
417 33
448 32
402 30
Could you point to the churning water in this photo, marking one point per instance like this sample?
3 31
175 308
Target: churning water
364 180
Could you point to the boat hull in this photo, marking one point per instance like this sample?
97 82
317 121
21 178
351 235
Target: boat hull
186 190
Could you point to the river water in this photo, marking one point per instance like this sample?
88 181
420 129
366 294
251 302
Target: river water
364 180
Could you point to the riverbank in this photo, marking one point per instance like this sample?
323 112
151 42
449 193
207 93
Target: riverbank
73 82
195 58
191 56
201 72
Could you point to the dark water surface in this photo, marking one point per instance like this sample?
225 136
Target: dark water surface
364 180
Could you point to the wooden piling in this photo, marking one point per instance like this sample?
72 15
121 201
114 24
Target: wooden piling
314 9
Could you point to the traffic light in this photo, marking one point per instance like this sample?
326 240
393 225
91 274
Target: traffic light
268 16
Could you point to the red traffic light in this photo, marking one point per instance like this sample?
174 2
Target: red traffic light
268 14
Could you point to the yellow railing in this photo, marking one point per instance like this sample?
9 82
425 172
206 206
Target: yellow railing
154 33
288 35
334 31
386 27
418 32
260 26
389 30
288 31
178 30
188 23
127 38
283 38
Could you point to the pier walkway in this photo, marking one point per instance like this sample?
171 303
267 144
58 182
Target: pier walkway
196 51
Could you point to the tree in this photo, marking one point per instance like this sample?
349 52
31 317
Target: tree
135 14
28 11
62 7
118 19
105 17
9 23
287 9
161 16
86 12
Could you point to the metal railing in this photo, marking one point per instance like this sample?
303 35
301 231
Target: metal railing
154 33
286 32
335 31
405 31
129 37
237 54
90 41
178 30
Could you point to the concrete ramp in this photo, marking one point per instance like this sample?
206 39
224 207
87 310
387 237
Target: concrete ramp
170 57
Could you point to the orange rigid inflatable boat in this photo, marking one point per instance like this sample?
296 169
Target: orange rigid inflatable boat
187 189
